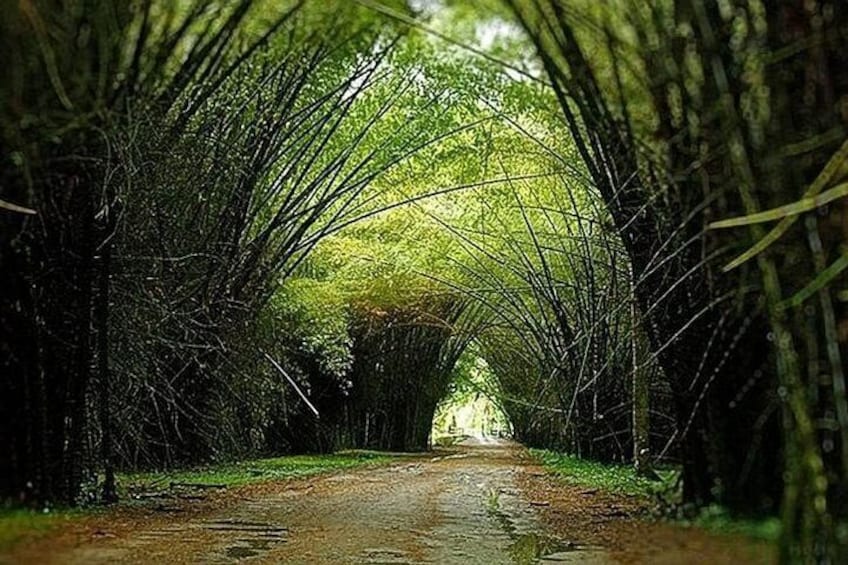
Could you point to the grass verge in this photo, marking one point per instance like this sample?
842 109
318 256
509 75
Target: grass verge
716 519
17 525
623 479
252 471
614 478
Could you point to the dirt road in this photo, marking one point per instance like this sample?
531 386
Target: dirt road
484 502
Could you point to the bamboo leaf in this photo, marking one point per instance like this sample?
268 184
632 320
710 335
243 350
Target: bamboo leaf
822 279
793 209
15 208
47 52
827 175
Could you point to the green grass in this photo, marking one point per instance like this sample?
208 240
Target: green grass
253 471
716 519
591 474
19 524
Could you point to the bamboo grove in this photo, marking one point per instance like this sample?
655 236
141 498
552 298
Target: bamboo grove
257 227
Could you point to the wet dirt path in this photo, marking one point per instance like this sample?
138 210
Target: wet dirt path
479 503
458 506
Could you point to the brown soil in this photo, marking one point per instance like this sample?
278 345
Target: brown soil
477 503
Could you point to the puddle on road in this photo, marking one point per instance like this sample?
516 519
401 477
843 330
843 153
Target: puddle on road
239 552
528 547
255 537
535 548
